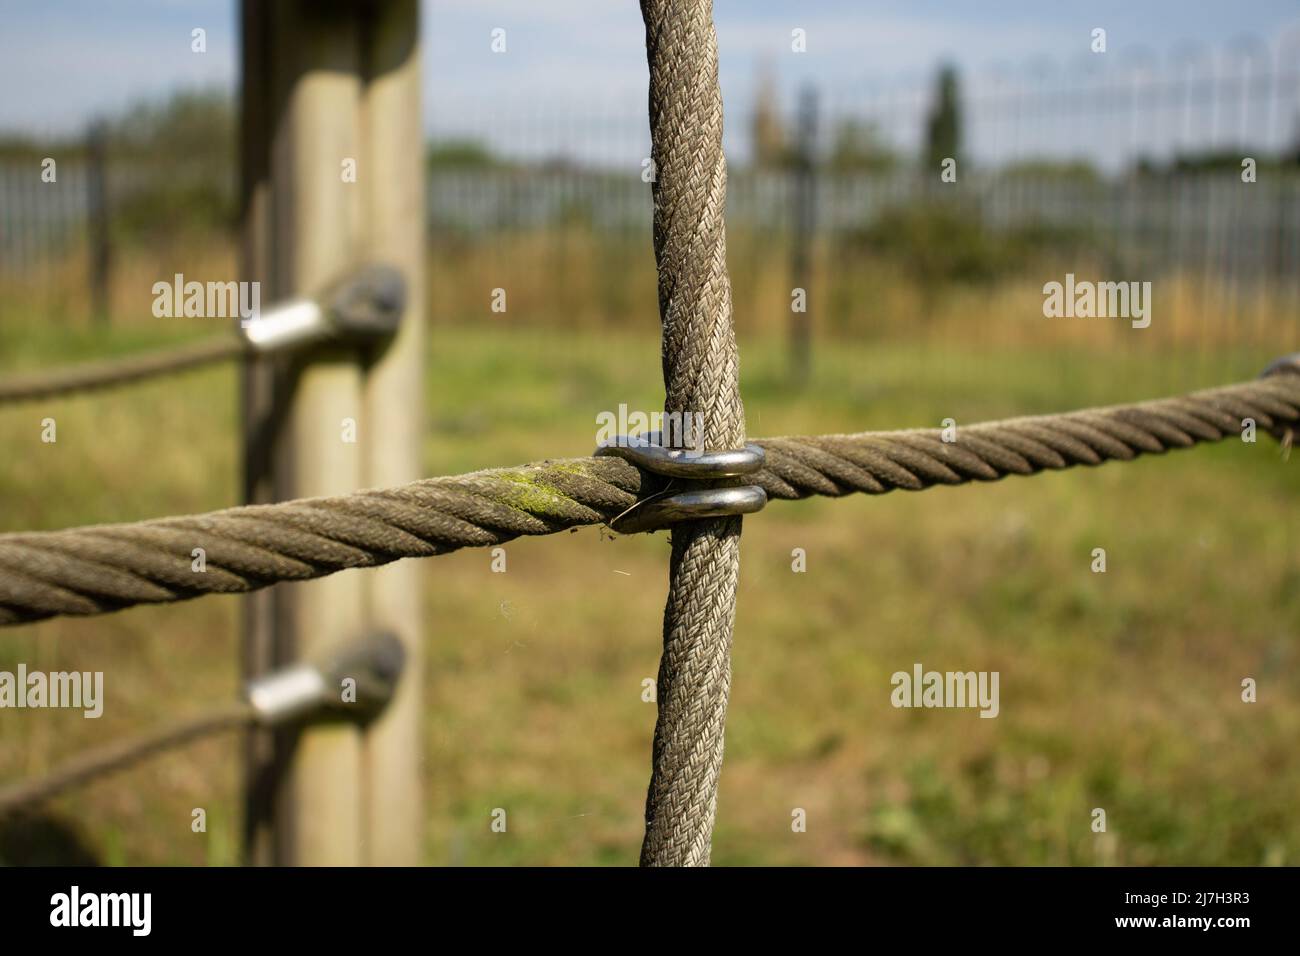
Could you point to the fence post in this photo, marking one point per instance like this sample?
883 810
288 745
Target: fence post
263 752
308 421
97 216
393 177
805 210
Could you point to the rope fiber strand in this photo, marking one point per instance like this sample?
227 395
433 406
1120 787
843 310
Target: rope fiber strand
109 373
103 568
119 755
701 378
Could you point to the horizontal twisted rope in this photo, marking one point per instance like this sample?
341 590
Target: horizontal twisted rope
105 374
876 462
116 756
104 568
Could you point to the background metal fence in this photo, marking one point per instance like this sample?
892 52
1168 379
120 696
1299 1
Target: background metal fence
1133 158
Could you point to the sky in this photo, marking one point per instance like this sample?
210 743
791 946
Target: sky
64 61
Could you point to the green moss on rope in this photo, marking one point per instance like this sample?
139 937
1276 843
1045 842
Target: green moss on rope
534 495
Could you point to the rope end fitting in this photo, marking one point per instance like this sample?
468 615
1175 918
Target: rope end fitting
369 304
355 683
362 308
659 511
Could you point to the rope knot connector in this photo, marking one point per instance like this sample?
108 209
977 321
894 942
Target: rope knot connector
669 507
373 665
363 307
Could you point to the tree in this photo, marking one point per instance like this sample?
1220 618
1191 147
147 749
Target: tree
766 132
943 125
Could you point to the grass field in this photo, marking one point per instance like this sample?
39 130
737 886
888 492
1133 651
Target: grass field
1119 690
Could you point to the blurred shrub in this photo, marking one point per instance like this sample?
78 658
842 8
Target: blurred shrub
1060 173
172 167
935 241
460 154
859 147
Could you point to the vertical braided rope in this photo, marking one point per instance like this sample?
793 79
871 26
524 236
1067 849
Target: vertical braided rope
701 376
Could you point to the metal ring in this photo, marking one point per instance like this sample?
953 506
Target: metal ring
656 513
646 452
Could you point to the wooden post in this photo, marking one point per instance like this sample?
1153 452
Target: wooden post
337 90
264 754
804 194
393 175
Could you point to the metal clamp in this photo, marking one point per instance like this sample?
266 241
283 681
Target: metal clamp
658 511
1286 365
365 306
305 690
1289 364
646 451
